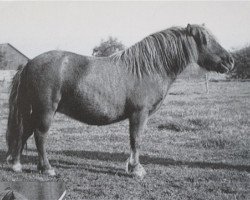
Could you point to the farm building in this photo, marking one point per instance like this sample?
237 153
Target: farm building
10 57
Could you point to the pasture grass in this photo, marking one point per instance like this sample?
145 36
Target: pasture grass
197 146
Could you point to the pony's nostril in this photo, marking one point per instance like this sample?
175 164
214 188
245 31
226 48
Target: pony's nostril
231 60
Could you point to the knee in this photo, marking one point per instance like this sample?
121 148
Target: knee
43 127
42 124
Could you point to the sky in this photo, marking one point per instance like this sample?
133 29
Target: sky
37 27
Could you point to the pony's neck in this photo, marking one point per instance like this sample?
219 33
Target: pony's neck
165 53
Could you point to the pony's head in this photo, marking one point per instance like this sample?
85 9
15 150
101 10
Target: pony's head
211 55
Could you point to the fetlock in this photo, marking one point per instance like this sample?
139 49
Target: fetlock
48 170
136 170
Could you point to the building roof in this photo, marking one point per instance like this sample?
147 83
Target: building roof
8 44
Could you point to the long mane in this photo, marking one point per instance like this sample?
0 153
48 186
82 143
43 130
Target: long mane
166 52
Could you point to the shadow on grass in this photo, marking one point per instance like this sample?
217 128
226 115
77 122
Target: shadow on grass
145 159
121 157
64 165
89 167
174 126
184 125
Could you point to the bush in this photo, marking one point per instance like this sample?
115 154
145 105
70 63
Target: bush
108 47
242 64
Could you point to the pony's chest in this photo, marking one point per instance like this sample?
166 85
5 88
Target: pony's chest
156 105
158 100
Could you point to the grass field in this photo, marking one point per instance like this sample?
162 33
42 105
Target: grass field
197 146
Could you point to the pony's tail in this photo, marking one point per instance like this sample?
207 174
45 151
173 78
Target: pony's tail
19 113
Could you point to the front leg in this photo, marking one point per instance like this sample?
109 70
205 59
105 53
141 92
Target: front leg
137 123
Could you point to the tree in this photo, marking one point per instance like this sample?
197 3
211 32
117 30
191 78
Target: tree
242 64
108 47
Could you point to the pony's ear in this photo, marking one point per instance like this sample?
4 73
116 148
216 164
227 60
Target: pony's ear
190 30
197 33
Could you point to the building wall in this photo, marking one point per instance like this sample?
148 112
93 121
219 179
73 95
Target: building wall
10 58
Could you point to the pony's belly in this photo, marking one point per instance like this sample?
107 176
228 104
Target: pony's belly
93 118
93 113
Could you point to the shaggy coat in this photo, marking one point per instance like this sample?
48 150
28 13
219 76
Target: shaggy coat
130 84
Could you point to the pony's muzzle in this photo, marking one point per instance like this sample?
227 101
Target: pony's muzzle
226 64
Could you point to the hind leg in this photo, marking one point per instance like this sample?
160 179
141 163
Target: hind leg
16 162
28 127
43 124
25 138
13 154
14 157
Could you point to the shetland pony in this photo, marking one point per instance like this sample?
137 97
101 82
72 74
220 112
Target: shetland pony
130 84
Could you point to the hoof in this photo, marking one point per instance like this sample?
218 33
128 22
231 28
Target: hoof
137 170
17 167
49 172
46 170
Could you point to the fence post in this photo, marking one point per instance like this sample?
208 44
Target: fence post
206 82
